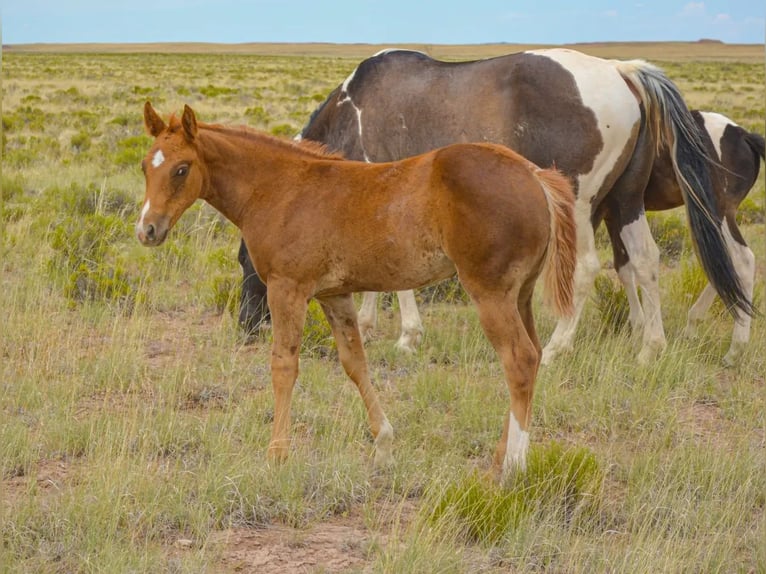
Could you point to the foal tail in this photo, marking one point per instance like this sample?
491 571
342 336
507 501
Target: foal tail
561 255
673 127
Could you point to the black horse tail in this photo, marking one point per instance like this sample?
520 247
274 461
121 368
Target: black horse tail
756 143
673 127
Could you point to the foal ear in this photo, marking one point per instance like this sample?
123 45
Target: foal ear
189 122
152 121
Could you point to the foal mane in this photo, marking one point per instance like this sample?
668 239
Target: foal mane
306 147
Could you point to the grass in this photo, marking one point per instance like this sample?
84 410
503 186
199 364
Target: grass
134 435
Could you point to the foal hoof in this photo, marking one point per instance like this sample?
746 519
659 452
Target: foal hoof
384 447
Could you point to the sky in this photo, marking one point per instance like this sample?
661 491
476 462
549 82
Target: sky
381 21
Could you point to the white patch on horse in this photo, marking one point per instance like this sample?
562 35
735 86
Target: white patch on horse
344 89
144 211
715 124
298 138
158 158
389 50
516 447
604 91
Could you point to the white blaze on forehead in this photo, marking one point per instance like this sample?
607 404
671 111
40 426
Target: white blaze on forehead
158 158
144 211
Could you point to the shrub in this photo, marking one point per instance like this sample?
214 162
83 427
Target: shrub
90 199
131 150
284 130
670 234
560 484
611 304
447 291
224 293
749 212
80 263
211 91
80 141
257 115
317 335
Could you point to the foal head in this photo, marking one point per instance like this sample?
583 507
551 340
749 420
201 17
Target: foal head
174 174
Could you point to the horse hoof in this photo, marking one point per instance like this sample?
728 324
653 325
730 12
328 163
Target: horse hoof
733 356
650 352
384 446
691 331
409 342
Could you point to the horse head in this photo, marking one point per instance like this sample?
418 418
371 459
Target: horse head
174 174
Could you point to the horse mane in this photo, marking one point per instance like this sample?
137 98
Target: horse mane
307 147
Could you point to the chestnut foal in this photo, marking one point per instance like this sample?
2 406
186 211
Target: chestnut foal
319 226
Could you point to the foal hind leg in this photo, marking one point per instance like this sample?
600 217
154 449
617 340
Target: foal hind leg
341 315
505 325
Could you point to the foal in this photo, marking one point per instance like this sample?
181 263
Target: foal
478 209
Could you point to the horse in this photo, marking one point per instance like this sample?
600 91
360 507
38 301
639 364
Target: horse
738 155
601 122
319 226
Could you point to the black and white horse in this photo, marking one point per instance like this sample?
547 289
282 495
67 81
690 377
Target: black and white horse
601 122
738 155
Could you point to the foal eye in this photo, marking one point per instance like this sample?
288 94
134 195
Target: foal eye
181 171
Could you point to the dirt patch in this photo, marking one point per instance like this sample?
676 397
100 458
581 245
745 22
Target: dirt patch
705 421
336 544
326 547
50 477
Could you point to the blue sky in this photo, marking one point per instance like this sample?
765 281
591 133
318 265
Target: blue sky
381 21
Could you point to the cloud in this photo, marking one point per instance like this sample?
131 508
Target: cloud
611 13
722 18
694 9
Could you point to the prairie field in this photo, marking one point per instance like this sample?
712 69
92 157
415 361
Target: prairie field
135 417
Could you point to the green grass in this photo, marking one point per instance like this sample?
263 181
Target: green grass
129 427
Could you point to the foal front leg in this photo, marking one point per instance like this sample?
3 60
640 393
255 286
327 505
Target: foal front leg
341 315
288 304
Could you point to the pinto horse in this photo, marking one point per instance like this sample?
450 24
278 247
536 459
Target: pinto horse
738 154
384 226
601 122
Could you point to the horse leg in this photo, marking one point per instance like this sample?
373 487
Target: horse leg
506 326
253 311
341 315
625 271
368 315
698 311
288 304
412 326
645 260
744 264
586 269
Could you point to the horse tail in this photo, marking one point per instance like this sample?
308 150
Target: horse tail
561 255
673 127
756 143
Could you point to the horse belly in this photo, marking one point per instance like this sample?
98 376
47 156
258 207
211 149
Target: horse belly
394 266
